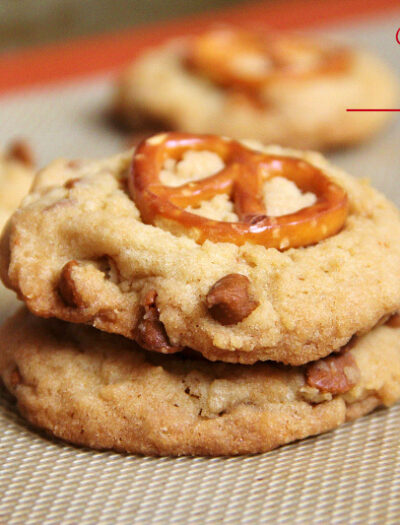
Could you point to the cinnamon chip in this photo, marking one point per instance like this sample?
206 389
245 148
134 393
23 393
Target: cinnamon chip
228 301
67 287
150 331
21 151
15 378
394 321
335 374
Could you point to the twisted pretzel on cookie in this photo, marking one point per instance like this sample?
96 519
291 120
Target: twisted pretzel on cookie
242 179
241 59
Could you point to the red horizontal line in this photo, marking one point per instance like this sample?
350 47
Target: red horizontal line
372 109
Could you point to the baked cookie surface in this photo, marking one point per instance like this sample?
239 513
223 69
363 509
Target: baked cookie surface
78 250
102 391
304 107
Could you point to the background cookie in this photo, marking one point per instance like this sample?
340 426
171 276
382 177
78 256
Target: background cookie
302 110
98 390
16 177
79 251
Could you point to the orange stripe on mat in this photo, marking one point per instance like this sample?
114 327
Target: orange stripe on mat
68 60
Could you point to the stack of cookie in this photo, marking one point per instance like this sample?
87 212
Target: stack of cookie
238 298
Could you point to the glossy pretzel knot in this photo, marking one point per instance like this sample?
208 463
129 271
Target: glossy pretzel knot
236 58
242 179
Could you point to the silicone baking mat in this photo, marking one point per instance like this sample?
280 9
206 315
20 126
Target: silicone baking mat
351 475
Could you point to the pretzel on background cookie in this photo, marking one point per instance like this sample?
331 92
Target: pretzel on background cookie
240 59
242 179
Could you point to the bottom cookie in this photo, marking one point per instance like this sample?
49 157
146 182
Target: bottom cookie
102 391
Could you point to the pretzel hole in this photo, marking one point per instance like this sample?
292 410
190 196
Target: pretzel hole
190 166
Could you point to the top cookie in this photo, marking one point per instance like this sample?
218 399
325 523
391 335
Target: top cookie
79 249
285 89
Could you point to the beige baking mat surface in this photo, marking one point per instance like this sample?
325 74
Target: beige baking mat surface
351 475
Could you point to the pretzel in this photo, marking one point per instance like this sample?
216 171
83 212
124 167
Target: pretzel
244 60
242 179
